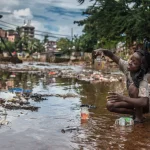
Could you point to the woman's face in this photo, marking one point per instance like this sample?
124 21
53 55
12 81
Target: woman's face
134 63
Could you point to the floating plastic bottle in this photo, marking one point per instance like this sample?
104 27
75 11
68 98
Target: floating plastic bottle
124 121
84 112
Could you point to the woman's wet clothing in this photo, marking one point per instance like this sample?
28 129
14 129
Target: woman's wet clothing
143 86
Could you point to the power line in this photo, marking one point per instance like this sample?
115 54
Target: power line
51 33
35 30
6 27
48 35
8 23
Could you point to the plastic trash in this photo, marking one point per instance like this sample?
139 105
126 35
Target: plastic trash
69 129
84 111
124 121
89 106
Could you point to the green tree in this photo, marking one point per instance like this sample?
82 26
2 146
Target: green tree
40 47
32 46
2 48
77 43
22 43
111 19
35 45
7 46
10 46
87 42
65 45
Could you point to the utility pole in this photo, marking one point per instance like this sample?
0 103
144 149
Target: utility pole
72 34
70 49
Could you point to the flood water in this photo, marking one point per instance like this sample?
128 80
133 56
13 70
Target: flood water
41 130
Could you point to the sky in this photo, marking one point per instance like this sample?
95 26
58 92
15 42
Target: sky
52 16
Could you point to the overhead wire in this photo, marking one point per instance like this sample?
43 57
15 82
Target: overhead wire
44 32
51 33
8 23
6 28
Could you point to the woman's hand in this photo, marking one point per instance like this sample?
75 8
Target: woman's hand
98 52
115 97
105 52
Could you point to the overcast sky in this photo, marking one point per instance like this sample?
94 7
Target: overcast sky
55 16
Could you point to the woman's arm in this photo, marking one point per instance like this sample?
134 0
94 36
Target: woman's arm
108 54
137 102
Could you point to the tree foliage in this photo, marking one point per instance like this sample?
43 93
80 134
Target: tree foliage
116 20
65 45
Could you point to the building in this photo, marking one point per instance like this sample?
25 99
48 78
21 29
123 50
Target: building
27 29
2 33
50 46
11 35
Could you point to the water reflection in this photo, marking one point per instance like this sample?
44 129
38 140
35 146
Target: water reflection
42 129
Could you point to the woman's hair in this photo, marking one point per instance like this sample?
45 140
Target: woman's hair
145 66
146 44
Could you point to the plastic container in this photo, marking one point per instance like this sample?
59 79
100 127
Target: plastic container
84 112
124 121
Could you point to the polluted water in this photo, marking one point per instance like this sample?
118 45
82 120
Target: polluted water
124 121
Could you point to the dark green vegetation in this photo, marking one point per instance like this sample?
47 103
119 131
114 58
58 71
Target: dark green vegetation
108 22
21 44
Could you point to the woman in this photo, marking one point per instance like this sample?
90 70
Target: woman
135 70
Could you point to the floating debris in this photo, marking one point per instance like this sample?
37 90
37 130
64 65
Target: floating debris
124 121
89 106
66 95
84 112
2 101
69 129
17 106
3 122
38 97
85 74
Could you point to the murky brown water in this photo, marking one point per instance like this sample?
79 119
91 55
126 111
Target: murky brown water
42 130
